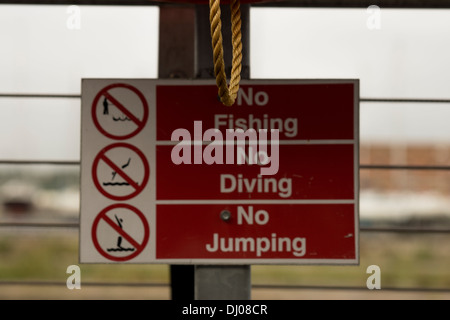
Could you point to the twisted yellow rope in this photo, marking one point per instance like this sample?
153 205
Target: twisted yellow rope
227 94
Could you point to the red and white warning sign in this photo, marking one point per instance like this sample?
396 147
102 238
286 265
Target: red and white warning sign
170 175
120 171
299 207
120 232
120 111
117 177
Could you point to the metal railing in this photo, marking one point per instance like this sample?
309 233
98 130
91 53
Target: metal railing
254 286
428 4
75 225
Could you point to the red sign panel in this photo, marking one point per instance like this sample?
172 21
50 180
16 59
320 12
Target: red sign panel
320 111
302 209
263 231
305 172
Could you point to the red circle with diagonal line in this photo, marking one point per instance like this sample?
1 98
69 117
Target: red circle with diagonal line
137 121
135 187
138 245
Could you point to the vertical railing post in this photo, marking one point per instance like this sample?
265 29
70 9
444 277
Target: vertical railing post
176 60
185 52
219 282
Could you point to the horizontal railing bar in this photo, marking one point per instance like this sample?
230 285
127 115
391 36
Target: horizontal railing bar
353 288
285 3
84 2
401 167
40 162
404 100
362 166
398 4
78 96
404 230
92 284
76 225
254 286
36 95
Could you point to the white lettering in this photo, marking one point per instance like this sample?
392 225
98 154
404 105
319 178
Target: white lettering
213 152
199 310
374 280
261 216
288 126
258 245
223 183
230 183
74 20
374 20
74 280
261 98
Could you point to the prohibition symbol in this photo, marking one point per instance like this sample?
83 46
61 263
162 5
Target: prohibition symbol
120 232
120 171
120 111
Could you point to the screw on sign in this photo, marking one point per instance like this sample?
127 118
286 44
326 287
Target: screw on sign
120 232
120 111
120 171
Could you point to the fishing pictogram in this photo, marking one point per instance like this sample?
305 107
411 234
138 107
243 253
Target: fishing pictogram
119 111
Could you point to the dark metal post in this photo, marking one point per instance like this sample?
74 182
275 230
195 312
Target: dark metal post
221 282
185 52
176 60
204 56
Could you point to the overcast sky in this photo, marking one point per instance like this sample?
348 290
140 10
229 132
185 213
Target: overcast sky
43 50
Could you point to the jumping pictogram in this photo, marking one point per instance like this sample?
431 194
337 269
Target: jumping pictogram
120 232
